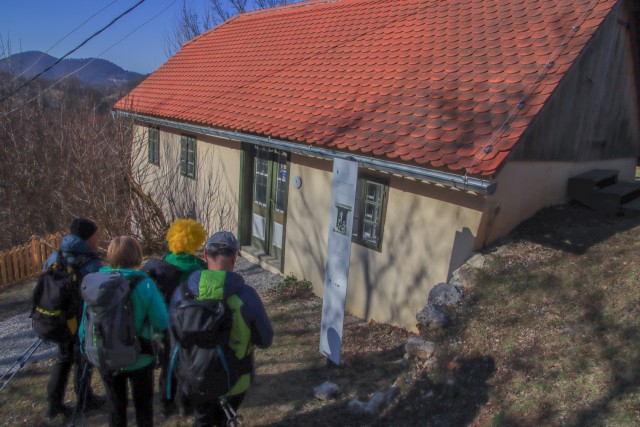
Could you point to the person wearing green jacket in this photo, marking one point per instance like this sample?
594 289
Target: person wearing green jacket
150 316
184 237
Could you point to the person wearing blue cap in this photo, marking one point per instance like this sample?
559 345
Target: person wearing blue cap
250 326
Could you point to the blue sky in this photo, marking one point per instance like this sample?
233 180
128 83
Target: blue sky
39 24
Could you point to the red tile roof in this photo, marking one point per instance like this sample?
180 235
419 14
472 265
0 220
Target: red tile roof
428 82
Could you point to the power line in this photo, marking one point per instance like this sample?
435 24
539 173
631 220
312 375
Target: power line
60 40
72 50
93 59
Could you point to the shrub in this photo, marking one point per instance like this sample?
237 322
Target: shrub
291 286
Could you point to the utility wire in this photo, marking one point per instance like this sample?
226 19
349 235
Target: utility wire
92 59
72 50
60 40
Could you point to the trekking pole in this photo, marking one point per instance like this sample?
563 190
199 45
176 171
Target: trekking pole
32 349
232 417
4 374
82 396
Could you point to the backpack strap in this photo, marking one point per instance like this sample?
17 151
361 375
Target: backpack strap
186 292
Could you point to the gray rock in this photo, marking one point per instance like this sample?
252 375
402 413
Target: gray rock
445 294
464 277
417 347
405 362
376 402
380 400
432 316
357 406
478 261
326 391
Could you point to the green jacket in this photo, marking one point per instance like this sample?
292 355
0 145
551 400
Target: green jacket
187 263
149 312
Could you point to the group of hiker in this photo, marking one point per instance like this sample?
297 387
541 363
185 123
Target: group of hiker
194 319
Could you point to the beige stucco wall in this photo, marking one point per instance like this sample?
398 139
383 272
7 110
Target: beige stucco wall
428 232
212 198
308 219
526 187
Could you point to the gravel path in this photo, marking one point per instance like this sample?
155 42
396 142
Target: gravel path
16 335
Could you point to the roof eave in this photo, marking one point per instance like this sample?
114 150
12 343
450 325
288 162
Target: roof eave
460 182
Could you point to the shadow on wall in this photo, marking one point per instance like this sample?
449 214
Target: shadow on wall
419 249
462 247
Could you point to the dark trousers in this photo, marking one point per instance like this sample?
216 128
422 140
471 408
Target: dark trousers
176 396
165 362
141 389
68 356
210 413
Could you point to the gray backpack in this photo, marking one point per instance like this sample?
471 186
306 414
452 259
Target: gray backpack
110 339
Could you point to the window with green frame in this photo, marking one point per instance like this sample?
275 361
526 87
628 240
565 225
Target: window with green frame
188 156
153 138
370 208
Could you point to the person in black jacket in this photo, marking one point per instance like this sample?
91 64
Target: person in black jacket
79 248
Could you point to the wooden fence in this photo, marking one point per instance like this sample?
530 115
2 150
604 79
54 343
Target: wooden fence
26 261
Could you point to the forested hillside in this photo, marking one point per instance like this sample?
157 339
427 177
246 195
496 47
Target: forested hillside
91 71
62 154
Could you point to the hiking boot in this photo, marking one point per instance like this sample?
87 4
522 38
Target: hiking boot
167 409
185 410
94 402
60 408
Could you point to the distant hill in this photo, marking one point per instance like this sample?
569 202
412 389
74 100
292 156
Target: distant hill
92 71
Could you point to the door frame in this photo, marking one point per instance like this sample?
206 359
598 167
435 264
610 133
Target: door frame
246 199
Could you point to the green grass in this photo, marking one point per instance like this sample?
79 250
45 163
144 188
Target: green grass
563 327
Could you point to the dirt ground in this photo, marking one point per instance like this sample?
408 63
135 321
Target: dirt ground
547 336
287 372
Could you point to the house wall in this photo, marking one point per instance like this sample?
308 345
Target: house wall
212 198
428 232
594 112
526 187
591 121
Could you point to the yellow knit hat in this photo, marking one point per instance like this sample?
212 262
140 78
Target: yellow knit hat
185 236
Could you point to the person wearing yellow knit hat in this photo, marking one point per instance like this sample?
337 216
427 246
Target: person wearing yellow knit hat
184 237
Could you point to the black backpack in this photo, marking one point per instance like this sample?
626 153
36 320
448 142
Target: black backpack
206 366
164 274
57 301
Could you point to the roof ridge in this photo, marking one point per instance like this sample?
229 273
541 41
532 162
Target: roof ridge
233 18
262 11
288 7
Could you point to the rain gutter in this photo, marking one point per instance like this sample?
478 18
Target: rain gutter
459 182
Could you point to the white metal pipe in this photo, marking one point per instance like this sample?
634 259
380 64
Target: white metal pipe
423 174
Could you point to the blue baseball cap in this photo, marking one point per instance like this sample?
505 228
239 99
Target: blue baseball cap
222 240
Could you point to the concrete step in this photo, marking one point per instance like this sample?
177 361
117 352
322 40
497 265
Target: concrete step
633 205
581 187
597 177
611 198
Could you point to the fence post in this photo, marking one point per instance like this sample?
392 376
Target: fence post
26 262
35 256
16 265
3 269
